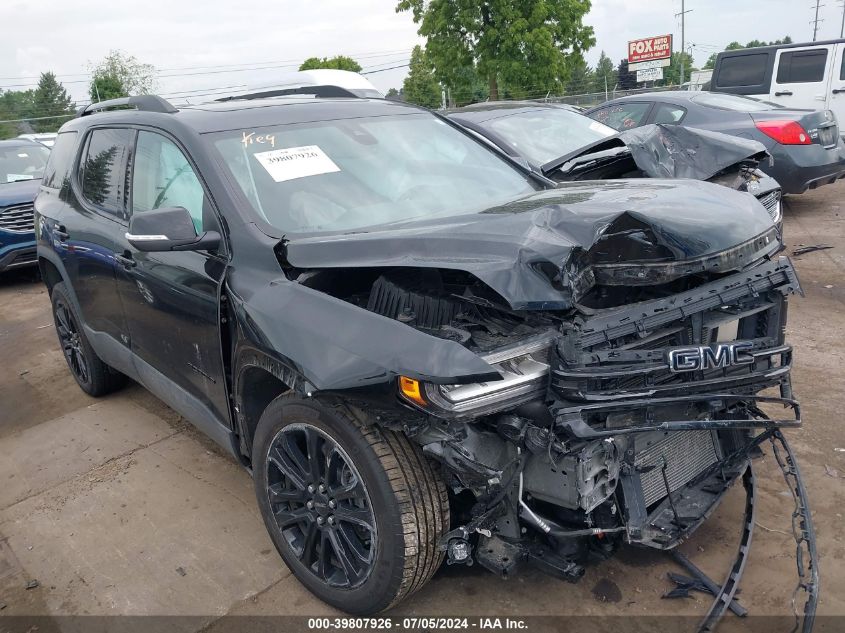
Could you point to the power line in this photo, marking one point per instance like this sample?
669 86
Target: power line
364 55
40 118
370 72
178 75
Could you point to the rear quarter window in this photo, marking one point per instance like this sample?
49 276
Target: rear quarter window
58 170
797 67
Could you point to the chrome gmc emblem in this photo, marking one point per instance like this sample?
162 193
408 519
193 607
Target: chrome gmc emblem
710 356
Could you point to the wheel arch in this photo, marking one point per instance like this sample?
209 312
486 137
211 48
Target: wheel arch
259 379
53 272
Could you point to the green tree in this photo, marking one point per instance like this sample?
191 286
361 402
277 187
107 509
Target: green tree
420 86
520 44
469 87
733 46
672 73
120 75
627 79
50 99
338 62
605 75
581 76
14 104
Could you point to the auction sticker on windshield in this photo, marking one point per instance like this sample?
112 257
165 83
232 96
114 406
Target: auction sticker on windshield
296 162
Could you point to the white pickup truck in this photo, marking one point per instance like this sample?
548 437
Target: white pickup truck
810 75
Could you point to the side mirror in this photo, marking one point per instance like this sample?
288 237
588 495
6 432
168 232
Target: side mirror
169 229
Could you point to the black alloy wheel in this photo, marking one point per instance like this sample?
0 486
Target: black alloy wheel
69 338
355 511
321 506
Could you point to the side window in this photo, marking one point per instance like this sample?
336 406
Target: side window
742 70
57 172
623 116
163 177
667 113
802 66
103 169
842 70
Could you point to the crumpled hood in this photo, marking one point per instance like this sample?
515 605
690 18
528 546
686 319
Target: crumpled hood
672 151
529 250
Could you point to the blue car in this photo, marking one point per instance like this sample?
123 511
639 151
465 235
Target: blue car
22 164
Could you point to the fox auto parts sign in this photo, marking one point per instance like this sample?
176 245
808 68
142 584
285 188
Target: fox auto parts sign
649 49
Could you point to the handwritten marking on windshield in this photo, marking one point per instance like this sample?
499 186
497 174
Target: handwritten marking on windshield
263 139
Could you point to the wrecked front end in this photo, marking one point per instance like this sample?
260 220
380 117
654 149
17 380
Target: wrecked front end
621 412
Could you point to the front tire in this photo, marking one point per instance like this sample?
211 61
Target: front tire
354 511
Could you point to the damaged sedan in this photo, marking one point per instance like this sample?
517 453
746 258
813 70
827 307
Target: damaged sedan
564 145
420 351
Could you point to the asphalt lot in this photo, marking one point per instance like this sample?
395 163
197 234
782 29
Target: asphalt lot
117 506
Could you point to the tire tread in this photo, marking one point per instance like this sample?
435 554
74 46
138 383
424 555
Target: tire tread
422 498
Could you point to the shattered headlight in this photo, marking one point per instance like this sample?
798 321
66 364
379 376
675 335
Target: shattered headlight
524 369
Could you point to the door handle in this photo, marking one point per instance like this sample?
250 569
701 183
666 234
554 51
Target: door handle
61 233
125 260
836 91
784 93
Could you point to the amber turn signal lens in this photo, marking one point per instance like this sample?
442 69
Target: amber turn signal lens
412 390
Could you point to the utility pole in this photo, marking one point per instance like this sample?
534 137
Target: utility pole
842 28
816 20
682 14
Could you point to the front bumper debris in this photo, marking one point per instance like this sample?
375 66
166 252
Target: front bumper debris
631 446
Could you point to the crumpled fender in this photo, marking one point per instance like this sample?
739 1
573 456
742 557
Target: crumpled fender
337 345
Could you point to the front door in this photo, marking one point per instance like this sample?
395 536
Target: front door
172 298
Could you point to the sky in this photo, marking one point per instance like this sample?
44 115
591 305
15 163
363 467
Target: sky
203 48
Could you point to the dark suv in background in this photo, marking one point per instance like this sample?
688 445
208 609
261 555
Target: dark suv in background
418 349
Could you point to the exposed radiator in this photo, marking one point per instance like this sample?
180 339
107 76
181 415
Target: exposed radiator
686 453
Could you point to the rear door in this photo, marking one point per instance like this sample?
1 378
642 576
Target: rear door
172 299
86 234
837 87
801 76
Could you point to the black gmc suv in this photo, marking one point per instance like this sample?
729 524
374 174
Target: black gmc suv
418 349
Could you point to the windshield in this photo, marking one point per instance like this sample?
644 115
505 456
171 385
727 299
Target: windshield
737 103
355 173
545 134
22 162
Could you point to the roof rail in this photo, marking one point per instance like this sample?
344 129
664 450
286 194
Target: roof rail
314 91
145 103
